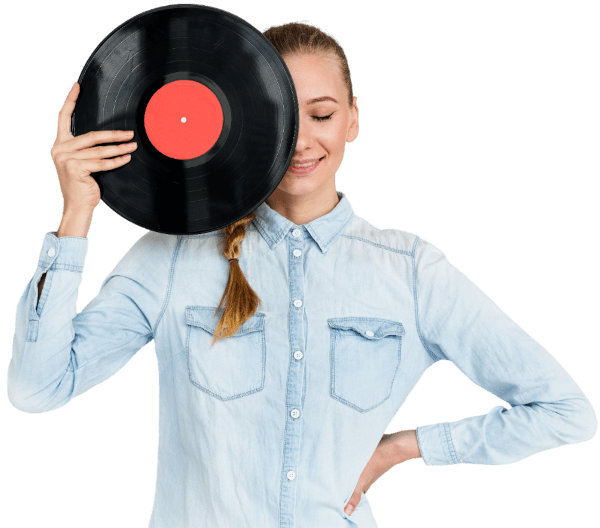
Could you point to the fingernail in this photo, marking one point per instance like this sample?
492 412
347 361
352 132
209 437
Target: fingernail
348 509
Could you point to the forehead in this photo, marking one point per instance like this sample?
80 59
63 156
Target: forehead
315 76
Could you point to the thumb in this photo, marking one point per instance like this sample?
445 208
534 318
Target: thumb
354 500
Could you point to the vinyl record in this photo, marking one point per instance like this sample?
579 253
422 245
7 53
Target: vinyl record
214 112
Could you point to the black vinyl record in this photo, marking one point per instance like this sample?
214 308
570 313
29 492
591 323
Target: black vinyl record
214 112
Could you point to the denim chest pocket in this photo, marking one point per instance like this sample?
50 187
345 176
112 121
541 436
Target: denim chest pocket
365 355
234 366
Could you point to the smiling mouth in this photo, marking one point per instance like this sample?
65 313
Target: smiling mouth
308 164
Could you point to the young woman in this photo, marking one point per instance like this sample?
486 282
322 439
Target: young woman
287 341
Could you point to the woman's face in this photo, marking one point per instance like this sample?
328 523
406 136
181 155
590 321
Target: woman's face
316 77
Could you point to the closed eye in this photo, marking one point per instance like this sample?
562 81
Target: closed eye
323 118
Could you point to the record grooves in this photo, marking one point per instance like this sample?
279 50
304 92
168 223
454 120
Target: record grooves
213 109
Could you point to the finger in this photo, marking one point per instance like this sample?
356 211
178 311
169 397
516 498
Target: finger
93 138
108 151
99 165
353 502
64 116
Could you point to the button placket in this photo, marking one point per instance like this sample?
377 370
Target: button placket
296 373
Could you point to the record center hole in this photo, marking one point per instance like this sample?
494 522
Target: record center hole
183 119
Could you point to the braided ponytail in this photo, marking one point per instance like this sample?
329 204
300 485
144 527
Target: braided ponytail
242 300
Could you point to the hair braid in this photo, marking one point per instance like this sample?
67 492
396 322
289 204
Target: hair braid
242 300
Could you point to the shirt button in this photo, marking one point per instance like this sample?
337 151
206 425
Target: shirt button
369 333
295 413
291 475
298 354
297 253
296 232
297 303
51 252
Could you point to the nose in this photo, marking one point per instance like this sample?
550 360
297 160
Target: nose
303 141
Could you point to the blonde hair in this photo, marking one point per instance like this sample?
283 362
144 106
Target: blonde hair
294 38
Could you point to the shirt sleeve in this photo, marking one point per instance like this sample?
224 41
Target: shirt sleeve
458 322
58 353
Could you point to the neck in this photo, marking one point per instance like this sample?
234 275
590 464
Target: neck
304 208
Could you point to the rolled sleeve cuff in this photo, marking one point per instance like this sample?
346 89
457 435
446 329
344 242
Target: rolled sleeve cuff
435 444
64 253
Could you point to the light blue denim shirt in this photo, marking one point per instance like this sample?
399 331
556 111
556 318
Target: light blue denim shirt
281 418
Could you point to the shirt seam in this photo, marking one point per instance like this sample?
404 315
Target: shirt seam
450 443
54 266
174 259
418 325
401 251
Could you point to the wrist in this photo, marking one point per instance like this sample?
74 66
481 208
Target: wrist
75 223
407 446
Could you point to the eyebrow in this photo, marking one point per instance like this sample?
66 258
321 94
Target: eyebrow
319 99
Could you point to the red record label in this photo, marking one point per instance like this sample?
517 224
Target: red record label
183 119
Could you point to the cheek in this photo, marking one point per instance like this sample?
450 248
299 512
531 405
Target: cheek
334 140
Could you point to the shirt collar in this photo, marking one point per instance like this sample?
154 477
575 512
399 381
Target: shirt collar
324 230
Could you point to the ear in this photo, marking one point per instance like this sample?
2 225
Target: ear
353 127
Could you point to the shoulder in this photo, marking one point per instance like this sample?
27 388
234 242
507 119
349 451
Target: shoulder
153 245
151 255
395 240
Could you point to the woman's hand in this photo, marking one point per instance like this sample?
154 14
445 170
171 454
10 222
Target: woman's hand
391 450
76 158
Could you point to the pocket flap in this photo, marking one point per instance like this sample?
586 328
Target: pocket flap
368 327
203 316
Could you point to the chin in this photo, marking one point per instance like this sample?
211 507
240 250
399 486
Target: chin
299 185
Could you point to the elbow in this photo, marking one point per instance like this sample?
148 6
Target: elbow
581 420
587 421
572 420
17 395
19 401
25 403
30 392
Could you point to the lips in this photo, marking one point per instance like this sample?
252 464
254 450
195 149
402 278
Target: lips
305 170
296 162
